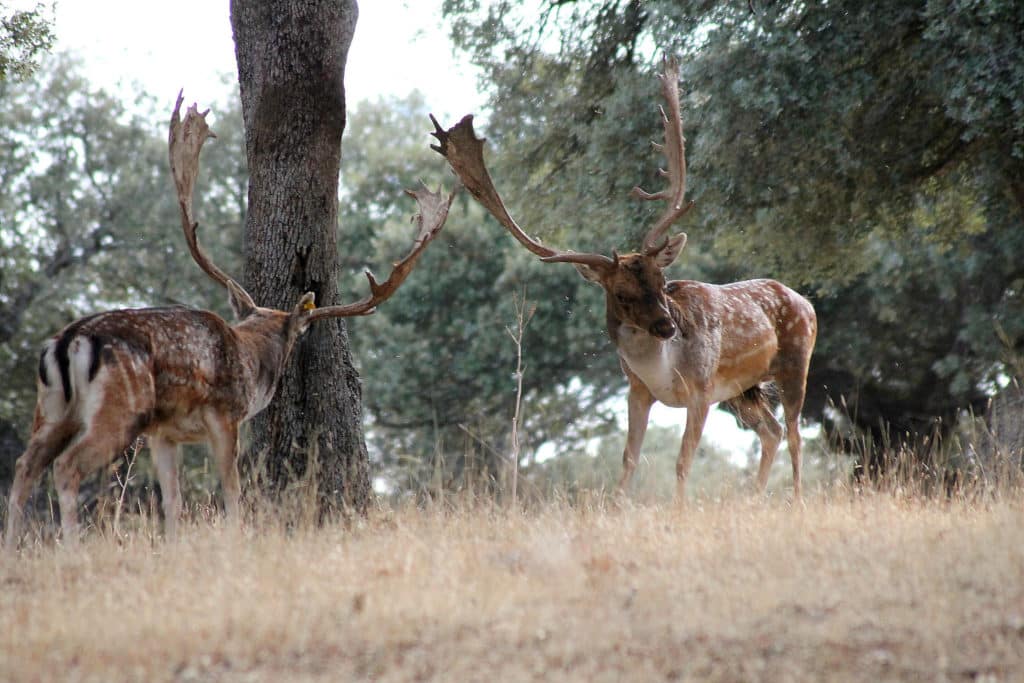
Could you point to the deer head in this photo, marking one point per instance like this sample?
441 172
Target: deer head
185 143
634 283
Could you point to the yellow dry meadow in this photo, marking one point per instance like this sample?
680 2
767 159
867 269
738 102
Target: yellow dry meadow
848 587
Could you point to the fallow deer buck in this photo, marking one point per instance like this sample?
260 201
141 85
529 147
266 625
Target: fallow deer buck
687 344
174 374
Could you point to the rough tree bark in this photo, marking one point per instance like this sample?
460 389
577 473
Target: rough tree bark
291 64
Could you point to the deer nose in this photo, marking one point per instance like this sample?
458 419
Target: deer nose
663 328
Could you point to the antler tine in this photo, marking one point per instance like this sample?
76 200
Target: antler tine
185 142
433 211
464 152
674 150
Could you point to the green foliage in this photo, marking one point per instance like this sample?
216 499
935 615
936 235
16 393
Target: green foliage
24 36
437 360
870 154
982 72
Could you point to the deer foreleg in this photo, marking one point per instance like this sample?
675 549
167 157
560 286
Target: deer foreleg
639 404
165 458
695 418
224 443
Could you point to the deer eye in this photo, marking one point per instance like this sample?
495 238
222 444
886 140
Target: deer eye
623 299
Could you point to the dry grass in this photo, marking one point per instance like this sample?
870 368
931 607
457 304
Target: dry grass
848 588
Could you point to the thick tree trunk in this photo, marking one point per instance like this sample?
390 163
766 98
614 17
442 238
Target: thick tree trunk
291 64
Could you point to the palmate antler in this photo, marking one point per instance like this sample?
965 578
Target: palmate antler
674 149
433 211
185 144
464 152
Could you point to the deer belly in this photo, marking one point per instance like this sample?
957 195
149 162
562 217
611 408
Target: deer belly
739 371
723 390
180 428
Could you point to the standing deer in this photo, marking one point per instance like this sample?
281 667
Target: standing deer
687 344
174 374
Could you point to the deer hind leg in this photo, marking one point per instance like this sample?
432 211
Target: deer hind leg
165 459
792 404
791 378
754 412
696 416
795 446
115 402
93 449
43 448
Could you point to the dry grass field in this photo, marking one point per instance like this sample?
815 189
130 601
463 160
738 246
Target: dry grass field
848 587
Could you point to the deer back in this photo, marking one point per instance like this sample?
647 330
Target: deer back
163 364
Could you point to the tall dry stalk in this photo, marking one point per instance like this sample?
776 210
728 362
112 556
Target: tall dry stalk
132 453
524 313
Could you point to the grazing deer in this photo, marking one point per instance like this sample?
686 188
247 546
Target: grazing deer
687 344
173 374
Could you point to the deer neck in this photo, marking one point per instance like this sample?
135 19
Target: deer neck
265 349
653 360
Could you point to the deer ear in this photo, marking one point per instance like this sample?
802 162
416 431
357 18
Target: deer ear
241 303
668 253
590 274
306 304
300 317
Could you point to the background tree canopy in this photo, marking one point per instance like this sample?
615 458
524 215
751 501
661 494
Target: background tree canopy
25 35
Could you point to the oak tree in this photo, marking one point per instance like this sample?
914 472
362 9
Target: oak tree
291 66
